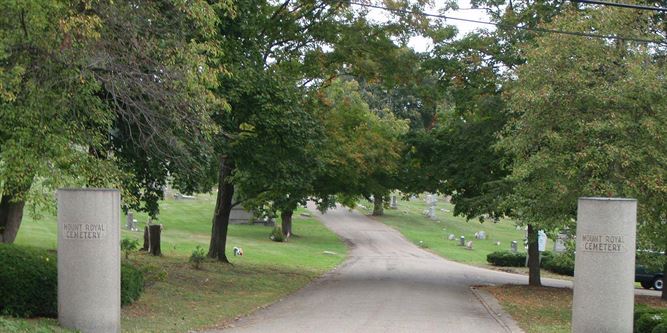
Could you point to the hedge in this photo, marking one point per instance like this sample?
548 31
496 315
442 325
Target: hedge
29 282
506 259
650 320
560 264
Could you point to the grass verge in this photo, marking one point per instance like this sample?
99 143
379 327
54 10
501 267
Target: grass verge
545 309
179 298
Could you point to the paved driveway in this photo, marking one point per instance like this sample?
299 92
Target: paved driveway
386 285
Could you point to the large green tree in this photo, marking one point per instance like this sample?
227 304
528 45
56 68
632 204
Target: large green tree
100 93
587 119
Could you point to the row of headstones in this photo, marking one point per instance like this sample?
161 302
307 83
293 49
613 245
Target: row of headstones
559 244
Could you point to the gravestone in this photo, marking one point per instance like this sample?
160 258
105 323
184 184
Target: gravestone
469 245
394 202
431 213
239 215
604 265
129 221
462 241
514 246
480 235
89 260
559 244
451 237
541 241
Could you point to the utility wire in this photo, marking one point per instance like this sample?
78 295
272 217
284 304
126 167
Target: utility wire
563 32
624 5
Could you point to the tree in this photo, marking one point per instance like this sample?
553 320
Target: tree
100 94
47 111
585 120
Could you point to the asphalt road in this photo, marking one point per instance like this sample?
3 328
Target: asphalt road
387 284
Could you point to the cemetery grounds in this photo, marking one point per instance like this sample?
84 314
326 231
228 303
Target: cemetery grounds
179 298
536 310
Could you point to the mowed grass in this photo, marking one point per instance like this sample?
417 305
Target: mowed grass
433 234
545 309
179 298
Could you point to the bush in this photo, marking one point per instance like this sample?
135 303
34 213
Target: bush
506 259
131 284
560 264
277 234
648 321
197 257
29 284
661 328
128 245
29 281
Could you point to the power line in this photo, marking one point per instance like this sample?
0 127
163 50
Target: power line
624 5
563 32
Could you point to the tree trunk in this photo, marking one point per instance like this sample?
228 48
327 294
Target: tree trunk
378 205
533 258
11 215
286 222
146 240
154 239
223 207
664 269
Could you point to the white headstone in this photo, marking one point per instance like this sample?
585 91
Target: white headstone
514 246
559 244
451 237
469 245
541 241
89 260
480 235
394 202
604 268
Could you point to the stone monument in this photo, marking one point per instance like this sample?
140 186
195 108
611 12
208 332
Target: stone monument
394 202
89 260
514 246
604 265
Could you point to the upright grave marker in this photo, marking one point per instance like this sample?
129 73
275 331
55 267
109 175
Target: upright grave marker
604 265
89 260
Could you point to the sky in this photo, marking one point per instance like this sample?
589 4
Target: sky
421 44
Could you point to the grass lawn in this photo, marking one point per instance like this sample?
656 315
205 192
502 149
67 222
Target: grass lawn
545 309
179 298
433 234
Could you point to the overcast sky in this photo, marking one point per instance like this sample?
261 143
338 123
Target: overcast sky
421 44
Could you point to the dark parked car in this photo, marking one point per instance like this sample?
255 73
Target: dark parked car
648 279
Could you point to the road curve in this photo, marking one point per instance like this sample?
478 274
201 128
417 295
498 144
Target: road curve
387 284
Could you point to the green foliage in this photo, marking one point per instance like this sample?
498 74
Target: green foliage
29 281
277 234
128 245
506 259
131 284
602 142
648 321
560 264
660 328
197 257
30 276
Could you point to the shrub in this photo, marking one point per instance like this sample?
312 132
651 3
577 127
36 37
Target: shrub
560 264
128 245
197 257
131 284
648 321
661 328
30 282
277 234
506 259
